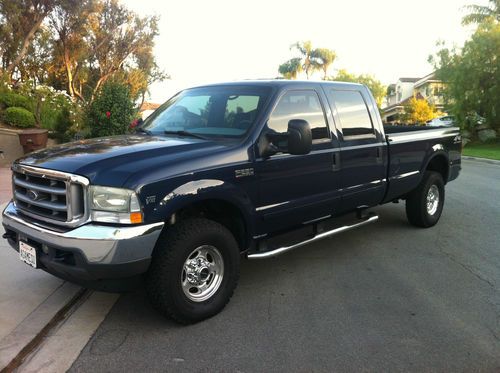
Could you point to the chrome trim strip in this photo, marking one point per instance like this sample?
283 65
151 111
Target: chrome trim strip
262 208
17 167
354 147
317 219
401 176
374 182
402 137
320 236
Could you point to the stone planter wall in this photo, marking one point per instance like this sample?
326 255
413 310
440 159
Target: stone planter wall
12 149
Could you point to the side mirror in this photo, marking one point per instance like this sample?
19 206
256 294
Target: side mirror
299 137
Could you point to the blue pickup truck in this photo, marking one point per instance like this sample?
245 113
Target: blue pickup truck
246 169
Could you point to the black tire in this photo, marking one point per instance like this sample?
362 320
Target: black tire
416 203
164 278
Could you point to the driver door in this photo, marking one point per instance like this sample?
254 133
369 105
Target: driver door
298 189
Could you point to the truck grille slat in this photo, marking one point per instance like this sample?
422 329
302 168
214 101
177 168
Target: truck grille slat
46 204
40 188
51 196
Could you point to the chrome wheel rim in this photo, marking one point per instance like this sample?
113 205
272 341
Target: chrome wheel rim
432 199
202 273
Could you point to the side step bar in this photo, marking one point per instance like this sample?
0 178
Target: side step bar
281 250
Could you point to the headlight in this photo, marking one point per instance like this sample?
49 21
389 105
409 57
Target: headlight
114 205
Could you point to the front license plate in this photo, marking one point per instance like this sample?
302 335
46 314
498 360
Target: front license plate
27 254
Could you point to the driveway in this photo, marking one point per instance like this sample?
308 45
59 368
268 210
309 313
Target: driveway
385 297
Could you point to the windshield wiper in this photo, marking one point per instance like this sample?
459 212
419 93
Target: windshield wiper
147 132
184 133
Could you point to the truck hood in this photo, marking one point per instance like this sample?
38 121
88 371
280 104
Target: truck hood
112 160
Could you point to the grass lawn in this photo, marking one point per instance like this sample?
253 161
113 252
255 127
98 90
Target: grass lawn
491 150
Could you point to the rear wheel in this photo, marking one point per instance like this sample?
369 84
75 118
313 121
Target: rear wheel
425 203
194 271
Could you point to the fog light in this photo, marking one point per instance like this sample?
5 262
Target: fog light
45 249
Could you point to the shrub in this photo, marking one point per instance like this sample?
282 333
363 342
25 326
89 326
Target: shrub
19 117
63 126
111 112
11 99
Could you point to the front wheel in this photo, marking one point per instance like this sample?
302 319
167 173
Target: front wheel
425 203
194 270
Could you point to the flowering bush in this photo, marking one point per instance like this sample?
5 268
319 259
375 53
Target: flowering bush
111 112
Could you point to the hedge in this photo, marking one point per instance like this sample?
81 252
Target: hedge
19 117
10 99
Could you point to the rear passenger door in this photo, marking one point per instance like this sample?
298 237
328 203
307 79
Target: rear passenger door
296 189
362 158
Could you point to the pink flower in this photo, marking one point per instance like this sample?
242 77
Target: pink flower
108 114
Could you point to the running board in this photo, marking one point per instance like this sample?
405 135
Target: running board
281 250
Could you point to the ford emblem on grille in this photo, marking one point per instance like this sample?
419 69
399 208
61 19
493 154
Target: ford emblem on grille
33 195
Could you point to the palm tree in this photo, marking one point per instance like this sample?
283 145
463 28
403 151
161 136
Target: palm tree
324 58
306 50
291 68
479 13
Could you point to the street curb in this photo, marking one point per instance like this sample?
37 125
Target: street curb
13 344
484 160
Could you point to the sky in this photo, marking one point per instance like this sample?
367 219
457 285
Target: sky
204 41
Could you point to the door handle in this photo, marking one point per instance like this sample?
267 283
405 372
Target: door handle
336 161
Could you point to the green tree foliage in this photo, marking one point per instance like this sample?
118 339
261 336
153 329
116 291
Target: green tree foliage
291 68
78 45
419 111
310 60
479 14
378 90
21 19
19 117
111 112
472 75
324 59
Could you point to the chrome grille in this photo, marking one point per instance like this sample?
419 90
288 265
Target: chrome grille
51 196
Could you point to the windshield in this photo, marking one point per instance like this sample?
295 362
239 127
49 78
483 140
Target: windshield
224 111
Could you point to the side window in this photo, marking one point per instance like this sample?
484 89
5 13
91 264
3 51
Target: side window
300 105
351 108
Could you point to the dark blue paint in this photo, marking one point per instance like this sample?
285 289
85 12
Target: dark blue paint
284 191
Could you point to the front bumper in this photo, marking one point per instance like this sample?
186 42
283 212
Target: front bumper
97 256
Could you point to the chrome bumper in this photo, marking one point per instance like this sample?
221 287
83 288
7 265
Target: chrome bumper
97 244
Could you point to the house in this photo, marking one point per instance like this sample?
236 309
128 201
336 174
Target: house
398 94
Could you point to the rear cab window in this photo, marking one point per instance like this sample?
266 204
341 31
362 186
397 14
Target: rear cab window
352 111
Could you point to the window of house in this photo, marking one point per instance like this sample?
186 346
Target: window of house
300 105
351 108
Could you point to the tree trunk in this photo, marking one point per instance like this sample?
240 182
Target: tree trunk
69 73
26 44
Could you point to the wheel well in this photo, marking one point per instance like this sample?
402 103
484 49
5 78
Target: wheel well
222 212
439 164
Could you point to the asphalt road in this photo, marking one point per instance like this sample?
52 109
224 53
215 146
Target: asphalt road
385 297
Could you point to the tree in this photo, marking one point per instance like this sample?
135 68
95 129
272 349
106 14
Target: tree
21 20
117 36
291 68
472 76
309 64
68 20
378 90
479 14
419 111
325 58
